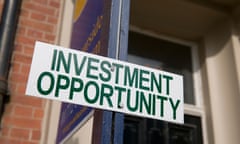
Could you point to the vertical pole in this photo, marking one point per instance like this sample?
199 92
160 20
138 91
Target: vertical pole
122 55
102 127
8 27
112 124
113 48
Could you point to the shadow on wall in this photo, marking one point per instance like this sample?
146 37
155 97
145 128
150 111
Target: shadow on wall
218 37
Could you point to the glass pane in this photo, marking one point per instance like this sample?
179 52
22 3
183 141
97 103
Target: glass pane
131 131
189 133
164 55
182 135
149 131
156 132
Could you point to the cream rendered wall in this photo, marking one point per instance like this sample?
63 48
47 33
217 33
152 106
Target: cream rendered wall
236 50
83 135
52 110
223 82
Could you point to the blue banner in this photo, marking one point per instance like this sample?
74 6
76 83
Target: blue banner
90 33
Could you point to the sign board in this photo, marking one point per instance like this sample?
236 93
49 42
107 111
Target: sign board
81 78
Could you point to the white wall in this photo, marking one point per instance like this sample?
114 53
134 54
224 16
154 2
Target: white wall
83 135
223 82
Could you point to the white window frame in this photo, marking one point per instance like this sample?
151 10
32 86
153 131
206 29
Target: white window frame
197 109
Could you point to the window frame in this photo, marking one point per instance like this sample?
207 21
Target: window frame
197 109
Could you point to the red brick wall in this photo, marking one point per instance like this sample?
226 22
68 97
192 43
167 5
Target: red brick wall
1 5
23 117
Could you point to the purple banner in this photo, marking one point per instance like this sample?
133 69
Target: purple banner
90 33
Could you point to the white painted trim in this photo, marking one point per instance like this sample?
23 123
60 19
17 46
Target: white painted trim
66 24
53 118
52 108
198 90
236 49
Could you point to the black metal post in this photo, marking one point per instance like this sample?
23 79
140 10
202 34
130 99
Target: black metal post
8 26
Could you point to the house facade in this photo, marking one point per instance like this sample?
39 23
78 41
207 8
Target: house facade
196 39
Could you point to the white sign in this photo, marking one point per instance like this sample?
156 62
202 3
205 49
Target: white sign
77 77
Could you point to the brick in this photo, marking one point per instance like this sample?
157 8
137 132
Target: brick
15 67
21 88
37 25
21 30
50 37
24 13
23 111
4 131
14 95
25 68
20 133
9 141
28 51
38 113
29 142
9 108
18 48
27 101
1 7
25 40
22 58
39 8
43 2
12 86
55 4
21 122
36 135
5 120
38 16
18 77
52 20
34 33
